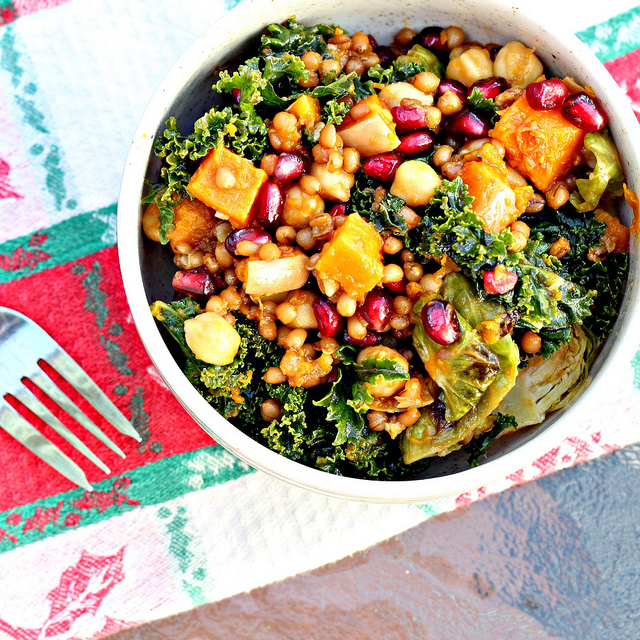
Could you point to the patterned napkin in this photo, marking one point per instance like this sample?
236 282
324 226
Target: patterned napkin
180 522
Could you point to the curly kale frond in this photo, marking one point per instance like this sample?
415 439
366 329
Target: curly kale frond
296 39
384 215
486 106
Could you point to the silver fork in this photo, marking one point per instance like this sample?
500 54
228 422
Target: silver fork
23 344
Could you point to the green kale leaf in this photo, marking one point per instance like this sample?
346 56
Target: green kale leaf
289 434
334 112
606 279
452 227
477 100
296 39
245 133
478 446
384 215
235 390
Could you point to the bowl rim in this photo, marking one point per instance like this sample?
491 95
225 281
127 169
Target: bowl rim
232 438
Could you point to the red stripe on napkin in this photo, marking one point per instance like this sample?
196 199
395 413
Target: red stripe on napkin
82 305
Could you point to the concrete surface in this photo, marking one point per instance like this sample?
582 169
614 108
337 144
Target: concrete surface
558 558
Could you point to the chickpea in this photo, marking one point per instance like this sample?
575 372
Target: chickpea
449 103
470 66
531 342
311 60
518 64
151 222
383 388
426 81
431 283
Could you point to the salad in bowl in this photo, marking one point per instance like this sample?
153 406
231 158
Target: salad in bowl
388 252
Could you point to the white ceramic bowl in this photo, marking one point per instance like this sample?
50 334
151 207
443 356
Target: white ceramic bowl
186 93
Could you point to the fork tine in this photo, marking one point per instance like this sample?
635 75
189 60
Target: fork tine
32 403
69 369
28 436
46 385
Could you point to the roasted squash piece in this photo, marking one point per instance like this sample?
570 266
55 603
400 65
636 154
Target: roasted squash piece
353 257
541 145
307 109
617 235
194 223
229 184
374 132
497 200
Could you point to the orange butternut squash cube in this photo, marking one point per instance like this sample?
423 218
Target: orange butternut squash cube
307 109
229 184
353 257
493 199
374 132
541 145
194 224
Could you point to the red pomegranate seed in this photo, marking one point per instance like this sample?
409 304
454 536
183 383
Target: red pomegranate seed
338 210
328 319
454 86
236 93
440 321
376 309
408 118
415 142
385 54
383 166
429 37
468 124
499 280
290 166
584 112
252 234
490 87
546 94
194 282
270 205
370 340
397 287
